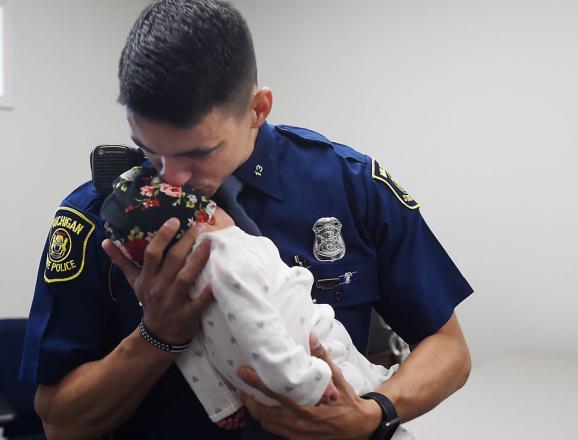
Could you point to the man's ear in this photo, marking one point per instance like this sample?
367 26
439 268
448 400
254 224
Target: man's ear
261 104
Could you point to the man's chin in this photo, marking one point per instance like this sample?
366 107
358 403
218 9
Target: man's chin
206 191
209 193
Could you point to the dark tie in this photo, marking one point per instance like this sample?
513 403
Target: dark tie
226 198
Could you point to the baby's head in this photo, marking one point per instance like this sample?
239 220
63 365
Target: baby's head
141 203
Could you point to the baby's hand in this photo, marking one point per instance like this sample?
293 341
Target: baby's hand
331 394
234 421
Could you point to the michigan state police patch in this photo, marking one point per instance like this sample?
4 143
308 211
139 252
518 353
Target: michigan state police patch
379 173
67 245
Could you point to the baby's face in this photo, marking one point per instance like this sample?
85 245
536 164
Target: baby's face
220 220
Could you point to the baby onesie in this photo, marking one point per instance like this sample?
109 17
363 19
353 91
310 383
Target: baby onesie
262 317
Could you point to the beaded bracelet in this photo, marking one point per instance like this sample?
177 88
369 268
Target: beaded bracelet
157 343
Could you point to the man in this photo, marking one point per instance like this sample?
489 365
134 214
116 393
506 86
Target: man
188 81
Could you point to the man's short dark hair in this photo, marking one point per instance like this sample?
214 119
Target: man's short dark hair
184 58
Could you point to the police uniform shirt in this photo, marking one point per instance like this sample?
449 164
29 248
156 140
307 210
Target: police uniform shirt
326 206
302 189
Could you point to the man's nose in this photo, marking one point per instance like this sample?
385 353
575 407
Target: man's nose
173 172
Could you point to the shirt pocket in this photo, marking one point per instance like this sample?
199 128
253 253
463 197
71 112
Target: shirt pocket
345 283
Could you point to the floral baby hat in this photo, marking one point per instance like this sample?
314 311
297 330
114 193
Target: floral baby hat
141 203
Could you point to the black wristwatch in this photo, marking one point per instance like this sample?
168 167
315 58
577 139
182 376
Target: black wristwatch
389 417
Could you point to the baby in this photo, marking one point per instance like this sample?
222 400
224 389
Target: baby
263 313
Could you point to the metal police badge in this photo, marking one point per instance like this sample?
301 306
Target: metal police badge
329 244
379 173
67 245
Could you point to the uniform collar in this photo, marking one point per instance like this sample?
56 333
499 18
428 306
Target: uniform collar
261 170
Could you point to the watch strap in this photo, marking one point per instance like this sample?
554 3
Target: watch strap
389 418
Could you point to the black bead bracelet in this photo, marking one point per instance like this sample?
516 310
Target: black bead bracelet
157 343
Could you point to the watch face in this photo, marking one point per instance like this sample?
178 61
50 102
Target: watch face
392 424
389 429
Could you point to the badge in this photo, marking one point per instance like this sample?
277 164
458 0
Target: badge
67 245
379 173
329 245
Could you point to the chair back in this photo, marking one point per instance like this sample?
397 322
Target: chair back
18 395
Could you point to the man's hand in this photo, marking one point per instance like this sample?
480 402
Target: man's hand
349 417
162 285
439 366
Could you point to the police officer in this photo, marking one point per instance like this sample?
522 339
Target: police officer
188 81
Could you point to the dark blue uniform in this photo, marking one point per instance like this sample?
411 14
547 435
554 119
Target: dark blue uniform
326 207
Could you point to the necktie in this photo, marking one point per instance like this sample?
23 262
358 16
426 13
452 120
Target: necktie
226 198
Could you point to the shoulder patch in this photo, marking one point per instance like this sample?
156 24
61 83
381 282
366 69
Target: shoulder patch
67 242
379 173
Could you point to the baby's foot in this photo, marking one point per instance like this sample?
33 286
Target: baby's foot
234 421
330 395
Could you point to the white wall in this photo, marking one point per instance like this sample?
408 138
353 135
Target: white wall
473 107
65 56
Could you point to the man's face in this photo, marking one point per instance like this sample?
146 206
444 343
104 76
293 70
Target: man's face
203 155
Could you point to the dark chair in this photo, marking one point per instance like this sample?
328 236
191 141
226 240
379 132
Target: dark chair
17 415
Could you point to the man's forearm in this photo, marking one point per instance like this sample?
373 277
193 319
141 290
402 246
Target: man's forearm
97 397
439 365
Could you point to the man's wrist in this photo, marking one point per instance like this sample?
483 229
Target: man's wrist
137 348
160 344
373 416
389 418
